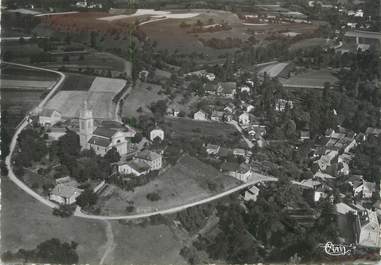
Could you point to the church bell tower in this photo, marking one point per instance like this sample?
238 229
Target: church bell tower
86 125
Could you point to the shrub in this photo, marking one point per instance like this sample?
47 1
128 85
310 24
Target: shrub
153 196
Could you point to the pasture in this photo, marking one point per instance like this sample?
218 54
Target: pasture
26 222
145 244
189 180
141 96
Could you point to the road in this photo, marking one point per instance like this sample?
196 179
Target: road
248 142
20 127
117 108
110 244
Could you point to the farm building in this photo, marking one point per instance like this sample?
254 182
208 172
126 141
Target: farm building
49 117
153 159
200 115
136 168
65 194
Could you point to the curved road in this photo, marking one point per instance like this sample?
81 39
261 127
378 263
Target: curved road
255 178
20 127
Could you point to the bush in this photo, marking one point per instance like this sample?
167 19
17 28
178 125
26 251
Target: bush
64 211
153 196
130 208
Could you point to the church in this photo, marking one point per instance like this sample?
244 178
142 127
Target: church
104 137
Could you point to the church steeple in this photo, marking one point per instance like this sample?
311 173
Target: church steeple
86 125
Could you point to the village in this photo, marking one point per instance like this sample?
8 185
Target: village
274 109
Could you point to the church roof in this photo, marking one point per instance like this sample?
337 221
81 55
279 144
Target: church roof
148 155
47 112
104 142
104 132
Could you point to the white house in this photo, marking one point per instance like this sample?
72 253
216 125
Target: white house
251 194
244 119
200 115
154 160
136 168
64 194
156 133
217 115
103 138
49 117
238 171
212 149
282 104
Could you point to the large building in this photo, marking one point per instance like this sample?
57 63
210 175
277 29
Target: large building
104 137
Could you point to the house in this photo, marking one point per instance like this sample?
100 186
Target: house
322 176
282 104
304 135
236 170
110 134
224 89
173 111
344 160
200 115
49 117
134 167
156 133
239 152
228 89
372 131
325 160
245 89
256 130
217 115
64 194
212 149
365 189
368 229
244 119
154 160
251 194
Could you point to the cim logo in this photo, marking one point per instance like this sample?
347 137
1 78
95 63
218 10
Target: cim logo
337 249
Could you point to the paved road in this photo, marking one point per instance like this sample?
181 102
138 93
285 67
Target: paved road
20 127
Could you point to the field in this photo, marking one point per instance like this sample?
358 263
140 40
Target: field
99 97
100 63
142 95
25 223
308 43
194 128
310 79
21 91
75 82
185 182
20 73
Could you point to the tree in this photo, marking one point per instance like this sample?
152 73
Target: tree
137 138
112 155
87 198
50 251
